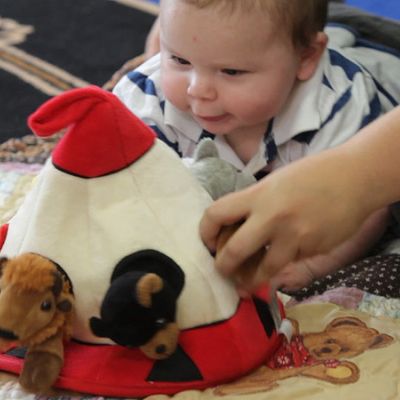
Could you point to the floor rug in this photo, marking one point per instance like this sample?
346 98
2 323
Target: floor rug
47 46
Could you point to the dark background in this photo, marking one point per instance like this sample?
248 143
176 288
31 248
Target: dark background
90 39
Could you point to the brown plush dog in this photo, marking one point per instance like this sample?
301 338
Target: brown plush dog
315 355
36 310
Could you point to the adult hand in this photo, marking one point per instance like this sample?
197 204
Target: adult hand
300 210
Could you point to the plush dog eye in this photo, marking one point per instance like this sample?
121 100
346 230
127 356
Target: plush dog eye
160 323
46 305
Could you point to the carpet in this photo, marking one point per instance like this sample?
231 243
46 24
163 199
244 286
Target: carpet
48 46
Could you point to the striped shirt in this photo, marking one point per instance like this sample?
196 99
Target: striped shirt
340 98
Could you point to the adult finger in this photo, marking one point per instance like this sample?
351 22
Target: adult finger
224 211
249 238
278 256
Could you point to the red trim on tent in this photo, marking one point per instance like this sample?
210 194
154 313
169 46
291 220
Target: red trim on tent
222 352
3 234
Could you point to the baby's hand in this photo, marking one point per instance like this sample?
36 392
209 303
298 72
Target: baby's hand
301 274
293 277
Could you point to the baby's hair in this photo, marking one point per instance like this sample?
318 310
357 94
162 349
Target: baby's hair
304 18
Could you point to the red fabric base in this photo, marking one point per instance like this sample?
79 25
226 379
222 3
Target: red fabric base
222 352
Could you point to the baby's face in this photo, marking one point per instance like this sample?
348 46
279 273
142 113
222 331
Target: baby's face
232 73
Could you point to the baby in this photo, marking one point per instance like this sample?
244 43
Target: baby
258 78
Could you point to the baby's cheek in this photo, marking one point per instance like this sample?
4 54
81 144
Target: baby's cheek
257 108
174 90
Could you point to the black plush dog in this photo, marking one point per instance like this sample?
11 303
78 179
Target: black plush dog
139 308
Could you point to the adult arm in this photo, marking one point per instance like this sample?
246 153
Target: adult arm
311 205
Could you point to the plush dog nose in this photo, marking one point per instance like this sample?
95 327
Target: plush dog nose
9 335
161 349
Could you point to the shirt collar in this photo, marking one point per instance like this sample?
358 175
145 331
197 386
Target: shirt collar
190 129
226 153
183 122
301 112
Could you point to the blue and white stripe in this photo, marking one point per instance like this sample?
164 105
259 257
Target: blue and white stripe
342 96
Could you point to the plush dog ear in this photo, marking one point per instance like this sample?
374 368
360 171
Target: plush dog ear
3 262
58 283
146 287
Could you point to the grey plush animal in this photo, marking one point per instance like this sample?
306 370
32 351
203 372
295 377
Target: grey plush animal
217 176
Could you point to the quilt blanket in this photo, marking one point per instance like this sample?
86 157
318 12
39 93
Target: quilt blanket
370 365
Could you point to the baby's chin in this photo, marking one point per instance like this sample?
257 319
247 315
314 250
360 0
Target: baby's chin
217 127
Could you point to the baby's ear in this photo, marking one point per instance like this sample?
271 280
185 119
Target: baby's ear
310 56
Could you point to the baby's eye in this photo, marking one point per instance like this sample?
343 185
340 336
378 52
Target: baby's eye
180 60
232 72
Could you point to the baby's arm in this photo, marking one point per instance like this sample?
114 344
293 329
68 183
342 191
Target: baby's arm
299 274
152 45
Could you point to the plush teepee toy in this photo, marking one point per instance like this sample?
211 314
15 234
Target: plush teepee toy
117 211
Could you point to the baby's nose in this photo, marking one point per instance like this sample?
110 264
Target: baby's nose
201 87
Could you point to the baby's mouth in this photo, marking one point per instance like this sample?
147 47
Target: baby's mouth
209 118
